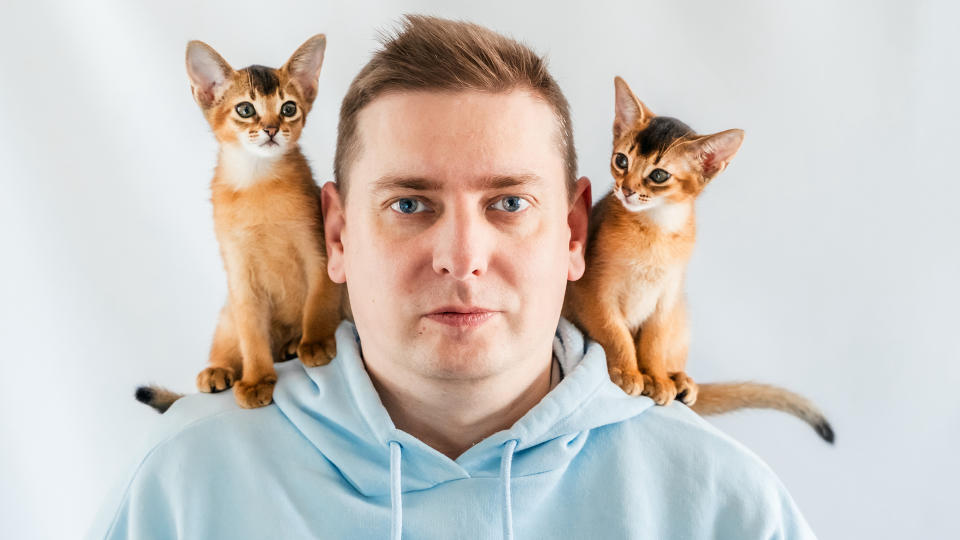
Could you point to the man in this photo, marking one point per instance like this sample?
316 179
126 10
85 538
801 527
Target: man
460 405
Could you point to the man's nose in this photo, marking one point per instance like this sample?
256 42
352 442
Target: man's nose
462 245
270 130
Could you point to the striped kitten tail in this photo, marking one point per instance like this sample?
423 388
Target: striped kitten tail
157 397
719 398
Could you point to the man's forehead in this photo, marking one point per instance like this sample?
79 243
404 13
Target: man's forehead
425 101
482 138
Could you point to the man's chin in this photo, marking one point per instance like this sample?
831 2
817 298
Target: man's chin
461 365
457 352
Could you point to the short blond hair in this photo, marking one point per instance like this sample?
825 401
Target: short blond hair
429 53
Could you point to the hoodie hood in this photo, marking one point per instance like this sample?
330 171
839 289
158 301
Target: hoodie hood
338 410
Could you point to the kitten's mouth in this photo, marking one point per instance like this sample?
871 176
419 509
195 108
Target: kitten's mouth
271 142
635 202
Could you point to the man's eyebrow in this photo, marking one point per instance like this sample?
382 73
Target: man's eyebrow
417 183
509 180
414 183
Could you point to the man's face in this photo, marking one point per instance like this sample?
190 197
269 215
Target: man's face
456 241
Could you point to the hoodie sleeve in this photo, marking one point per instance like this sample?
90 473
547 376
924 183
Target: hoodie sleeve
751 501
784 520
139 508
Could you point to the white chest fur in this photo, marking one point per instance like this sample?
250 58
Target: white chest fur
242 169
668 216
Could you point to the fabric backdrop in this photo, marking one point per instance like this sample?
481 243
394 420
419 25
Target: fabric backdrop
826 262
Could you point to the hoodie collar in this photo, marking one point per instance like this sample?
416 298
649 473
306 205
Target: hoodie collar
338 410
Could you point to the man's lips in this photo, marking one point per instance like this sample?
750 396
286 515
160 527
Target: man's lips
461 317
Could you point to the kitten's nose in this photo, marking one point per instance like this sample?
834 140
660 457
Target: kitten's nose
626 191
270 130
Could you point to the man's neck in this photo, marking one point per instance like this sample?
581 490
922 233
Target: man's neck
450 416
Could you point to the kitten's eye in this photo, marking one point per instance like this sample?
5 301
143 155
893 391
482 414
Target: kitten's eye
288 109
659 176
621 161
511 204
408 206
245 109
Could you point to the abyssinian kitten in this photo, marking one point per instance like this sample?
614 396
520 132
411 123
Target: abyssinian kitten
267 217
631 299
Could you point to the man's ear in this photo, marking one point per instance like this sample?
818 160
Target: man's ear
577 220
333 224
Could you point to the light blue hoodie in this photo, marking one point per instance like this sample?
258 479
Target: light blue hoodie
325 461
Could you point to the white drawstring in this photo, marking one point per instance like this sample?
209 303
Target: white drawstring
505 462
396 505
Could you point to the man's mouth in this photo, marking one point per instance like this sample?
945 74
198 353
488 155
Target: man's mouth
461 316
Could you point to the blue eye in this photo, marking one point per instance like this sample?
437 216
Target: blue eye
511 204
408 206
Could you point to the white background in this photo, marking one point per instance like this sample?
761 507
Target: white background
827 259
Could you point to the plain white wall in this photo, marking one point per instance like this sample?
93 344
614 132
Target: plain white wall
827 259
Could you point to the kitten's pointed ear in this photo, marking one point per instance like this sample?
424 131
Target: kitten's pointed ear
630 111
304 65
209 73
714 152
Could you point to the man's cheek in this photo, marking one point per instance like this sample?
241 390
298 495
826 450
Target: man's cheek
388 274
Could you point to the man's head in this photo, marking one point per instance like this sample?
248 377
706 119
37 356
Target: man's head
442 55
464 220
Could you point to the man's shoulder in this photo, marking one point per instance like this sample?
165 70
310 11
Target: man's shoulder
674 418
681 457
207 438
678 436
193 411
171 441
210 421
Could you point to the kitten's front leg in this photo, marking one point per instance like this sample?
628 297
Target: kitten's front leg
225 359
604 323
661 354
657 385
678 343
252 317
321 316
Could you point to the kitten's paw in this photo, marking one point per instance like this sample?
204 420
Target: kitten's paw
630 382
686 388
215 379
318 353
290 351
661 390
251 395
